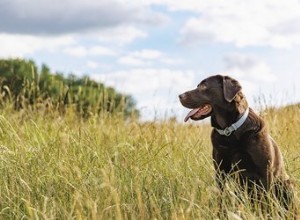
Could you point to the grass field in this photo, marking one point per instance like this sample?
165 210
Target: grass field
54 167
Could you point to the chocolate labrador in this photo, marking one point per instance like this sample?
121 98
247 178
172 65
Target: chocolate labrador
240 139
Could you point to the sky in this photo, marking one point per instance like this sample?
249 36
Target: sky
154 50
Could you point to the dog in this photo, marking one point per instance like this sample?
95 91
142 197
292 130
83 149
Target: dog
240 139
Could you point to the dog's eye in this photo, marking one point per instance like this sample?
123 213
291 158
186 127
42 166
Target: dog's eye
202 86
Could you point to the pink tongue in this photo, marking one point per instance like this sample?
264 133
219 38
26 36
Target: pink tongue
191 113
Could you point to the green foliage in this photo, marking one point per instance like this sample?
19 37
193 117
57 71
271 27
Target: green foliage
26 86
107 168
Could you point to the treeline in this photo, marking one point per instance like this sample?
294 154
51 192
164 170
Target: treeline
26 86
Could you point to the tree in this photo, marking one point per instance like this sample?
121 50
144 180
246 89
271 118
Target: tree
30 86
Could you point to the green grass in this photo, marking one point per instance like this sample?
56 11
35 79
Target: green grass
54 167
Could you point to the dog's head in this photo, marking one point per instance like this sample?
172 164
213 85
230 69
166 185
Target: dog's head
213 92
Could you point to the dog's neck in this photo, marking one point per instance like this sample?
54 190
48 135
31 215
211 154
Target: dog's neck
225 116
222 119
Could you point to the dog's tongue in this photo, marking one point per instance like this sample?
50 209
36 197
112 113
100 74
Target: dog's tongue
191 113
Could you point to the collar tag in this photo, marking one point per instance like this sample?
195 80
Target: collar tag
228 131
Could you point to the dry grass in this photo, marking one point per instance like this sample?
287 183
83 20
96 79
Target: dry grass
56 167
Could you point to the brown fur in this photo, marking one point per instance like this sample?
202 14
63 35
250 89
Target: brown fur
250 151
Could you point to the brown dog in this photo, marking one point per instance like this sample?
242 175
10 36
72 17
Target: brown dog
240 139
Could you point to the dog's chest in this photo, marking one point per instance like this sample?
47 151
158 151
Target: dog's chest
234 155
228 145
228 151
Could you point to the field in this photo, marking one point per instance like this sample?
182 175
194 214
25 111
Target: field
55 167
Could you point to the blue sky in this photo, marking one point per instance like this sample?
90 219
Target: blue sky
155 50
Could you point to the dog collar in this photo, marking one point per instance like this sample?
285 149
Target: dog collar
227 131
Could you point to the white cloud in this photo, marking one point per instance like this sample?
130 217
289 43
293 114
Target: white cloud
243 23
179 5
250 67
143 57
133 61
254 75
148 80
155 90
148 54
77 51
81 51
43 17
92 64
148 57
21 45
101 51
119 35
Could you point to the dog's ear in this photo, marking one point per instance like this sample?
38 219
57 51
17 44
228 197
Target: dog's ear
230 88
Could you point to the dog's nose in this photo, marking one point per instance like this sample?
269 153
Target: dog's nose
181 96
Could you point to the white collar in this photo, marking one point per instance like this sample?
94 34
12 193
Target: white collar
227 131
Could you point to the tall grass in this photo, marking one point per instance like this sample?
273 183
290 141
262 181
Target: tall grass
55 167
